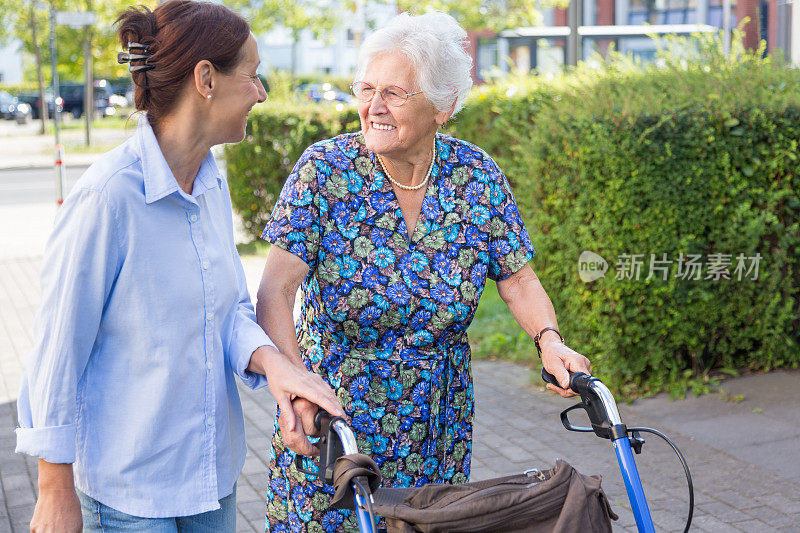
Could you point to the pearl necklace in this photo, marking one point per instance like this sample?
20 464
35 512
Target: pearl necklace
410 187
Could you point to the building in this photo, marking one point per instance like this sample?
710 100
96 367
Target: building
622 22
10 64
334 54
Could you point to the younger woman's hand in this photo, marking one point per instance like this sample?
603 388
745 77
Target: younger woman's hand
296 436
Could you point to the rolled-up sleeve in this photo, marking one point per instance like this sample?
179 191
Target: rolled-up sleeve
78 270
246 336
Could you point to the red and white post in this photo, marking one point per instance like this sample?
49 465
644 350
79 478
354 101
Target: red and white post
60 175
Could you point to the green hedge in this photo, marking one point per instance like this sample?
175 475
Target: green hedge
277 134
688 182
19 88
690 158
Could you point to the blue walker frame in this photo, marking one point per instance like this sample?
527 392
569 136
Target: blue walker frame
599 404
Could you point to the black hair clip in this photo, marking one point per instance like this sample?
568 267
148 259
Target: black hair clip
139 54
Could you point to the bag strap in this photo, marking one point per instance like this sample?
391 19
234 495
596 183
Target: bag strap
347 469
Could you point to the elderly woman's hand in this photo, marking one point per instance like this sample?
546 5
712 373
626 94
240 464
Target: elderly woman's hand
295 436
560 360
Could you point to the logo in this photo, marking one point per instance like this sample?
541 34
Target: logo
591 266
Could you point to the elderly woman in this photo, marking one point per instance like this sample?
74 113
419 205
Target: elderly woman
145 318
392 232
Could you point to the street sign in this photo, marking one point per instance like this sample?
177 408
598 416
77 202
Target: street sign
75 19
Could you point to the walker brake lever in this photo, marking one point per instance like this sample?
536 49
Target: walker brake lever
580 383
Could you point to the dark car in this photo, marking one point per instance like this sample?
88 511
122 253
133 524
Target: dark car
73 94
32 99
7 105
12 109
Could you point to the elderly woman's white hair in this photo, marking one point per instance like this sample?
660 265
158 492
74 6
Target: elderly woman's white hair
434 43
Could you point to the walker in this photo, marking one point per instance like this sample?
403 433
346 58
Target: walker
341 465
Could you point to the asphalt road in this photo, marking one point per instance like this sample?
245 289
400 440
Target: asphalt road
33 185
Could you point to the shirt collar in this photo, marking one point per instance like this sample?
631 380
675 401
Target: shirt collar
159 181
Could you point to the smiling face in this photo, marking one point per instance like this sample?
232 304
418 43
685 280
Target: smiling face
235 93
404 132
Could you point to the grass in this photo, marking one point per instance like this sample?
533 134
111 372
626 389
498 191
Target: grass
119 121
257 247
75 142
494 334
81 148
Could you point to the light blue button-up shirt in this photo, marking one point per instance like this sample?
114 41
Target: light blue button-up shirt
145 319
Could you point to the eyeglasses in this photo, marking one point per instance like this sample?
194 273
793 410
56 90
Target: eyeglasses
393 95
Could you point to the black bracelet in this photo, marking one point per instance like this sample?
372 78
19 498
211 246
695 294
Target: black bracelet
539 336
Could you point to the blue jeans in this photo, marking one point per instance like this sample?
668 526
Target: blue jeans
101 518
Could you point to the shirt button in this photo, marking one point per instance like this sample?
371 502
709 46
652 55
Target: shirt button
205 265
210 421
209 316
193 218
209 365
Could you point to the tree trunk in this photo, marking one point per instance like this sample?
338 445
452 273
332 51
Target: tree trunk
88 93
295 38
88 65
40 77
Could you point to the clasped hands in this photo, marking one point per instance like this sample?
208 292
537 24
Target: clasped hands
299 393
296 429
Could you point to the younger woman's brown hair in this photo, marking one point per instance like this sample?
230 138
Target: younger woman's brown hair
178 34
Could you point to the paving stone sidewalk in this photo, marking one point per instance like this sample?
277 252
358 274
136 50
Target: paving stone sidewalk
517 427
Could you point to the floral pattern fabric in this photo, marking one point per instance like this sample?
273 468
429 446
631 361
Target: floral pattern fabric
385 311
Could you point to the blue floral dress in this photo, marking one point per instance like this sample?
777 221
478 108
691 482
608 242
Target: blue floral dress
385 312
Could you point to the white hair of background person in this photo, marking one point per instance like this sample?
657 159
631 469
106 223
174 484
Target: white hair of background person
435 44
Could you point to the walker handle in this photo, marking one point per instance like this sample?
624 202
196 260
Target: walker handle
578 381
322 418
330 446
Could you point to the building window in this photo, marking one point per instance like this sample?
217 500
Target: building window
663 12
487 55
715 13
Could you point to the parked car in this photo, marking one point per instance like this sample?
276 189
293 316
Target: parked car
7 105
130 93
23 113
32 99
104 92
120 97
12 109
73 94
324 93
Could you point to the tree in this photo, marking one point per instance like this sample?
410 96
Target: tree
22 20
80 50
494 15
320 17
101 37
16 24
